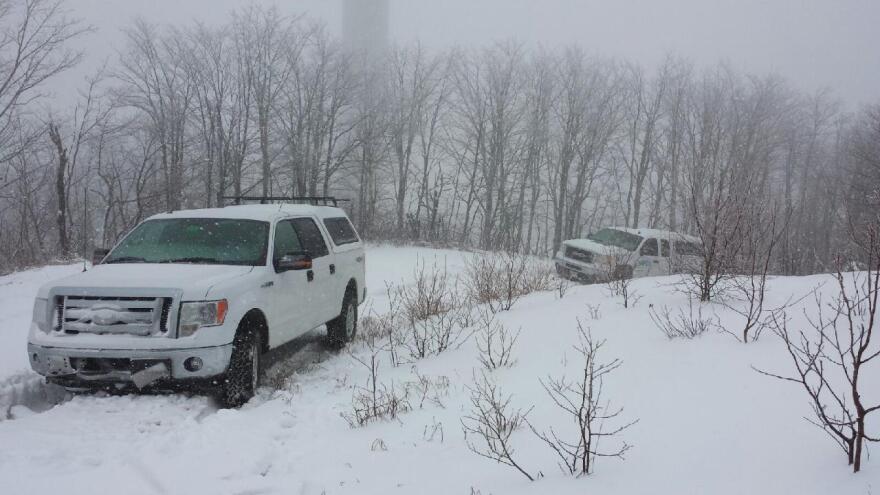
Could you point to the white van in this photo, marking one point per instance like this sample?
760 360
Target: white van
619 252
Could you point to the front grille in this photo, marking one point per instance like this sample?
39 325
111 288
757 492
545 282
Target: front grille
578 254
113 315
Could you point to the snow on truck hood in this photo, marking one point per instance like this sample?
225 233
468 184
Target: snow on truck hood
595 247
194 280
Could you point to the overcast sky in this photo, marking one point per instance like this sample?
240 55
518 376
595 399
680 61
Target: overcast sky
814 43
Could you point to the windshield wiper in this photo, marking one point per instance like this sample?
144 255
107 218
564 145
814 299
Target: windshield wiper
194 259
126 259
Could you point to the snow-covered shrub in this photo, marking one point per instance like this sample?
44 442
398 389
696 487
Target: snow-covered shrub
594 311
491 423
435 334
434 431
618 277
583 401
683 324
538 276
500 279
427 390
375 400
495 342
431 294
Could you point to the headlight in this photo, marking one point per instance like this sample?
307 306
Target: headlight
40 316
194 315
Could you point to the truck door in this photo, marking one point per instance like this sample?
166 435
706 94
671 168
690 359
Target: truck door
290 290
648 259
325 304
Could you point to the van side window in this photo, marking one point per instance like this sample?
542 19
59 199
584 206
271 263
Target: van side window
286 240
341 231
310 236
664 248
649 248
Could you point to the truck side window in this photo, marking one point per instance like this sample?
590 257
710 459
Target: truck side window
684 248
649 248
310 235
341 231
286 240
664 248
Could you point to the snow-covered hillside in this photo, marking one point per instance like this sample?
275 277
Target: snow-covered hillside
708 423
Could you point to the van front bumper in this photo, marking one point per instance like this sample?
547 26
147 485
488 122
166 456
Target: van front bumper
140 367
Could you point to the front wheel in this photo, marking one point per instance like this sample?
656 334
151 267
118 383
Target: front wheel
243 375
342 329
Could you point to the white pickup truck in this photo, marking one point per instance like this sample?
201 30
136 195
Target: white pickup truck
195 298
619 252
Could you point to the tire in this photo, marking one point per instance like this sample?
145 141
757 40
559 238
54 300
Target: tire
245 367
342 329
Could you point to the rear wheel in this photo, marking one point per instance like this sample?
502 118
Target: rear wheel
243 374
342 329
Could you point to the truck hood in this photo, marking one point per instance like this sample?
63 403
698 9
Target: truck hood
595 247
194 280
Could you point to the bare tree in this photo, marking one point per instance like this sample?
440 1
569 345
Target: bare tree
617 274
89 116
832 354
582 400
761 237
491 423
495 342
273 44
33 39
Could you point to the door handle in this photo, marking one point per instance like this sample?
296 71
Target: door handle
310 275
332 269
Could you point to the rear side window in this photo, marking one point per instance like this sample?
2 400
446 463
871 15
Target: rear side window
341 231
684 248
310 237
649 248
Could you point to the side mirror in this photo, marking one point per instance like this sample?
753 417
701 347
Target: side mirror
98 255
293 261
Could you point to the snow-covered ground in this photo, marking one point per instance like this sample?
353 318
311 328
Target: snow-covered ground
707 423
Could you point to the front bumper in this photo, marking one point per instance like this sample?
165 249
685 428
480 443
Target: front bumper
132 366
579 272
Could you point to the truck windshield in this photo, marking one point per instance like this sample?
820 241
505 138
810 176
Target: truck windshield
617 238
195 240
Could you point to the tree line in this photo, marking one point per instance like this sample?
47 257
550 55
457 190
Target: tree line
503 147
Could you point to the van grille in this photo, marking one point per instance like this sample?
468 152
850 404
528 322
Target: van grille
578 254
114 315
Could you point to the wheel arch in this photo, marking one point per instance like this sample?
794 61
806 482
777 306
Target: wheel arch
257 318
352 288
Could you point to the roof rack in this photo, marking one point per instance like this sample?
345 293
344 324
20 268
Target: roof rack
309 200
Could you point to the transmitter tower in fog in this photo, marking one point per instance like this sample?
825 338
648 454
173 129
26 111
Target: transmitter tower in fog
365 27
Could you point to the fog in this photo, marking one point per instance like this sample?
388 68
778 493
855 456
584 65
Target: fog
813 43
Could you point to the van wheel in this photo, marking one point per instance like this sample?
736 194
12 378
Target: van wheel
342 329
245 367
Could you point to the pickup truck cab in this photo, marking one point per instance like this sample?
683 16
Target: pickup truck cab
196 297
619 252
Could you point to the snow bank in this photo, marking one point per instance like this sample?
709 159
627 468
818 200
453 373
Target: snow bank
708 422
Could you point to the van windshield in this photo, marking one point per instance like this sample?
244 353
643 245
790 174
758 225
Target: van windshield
209 241
616 238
